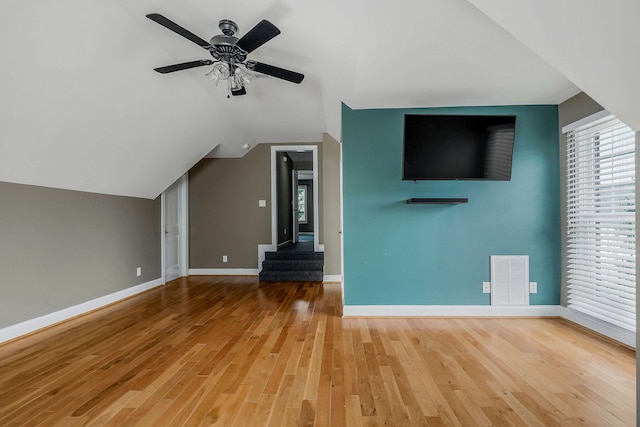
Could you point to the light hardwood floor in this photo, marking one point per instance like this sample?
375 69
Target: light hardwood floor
227 351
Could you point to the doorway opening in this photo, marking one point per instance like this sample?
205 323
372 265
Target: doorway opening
294 194
304 210
295 253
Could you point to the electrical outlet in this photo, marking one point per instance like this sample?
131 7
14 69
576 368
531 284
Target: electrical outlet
139 271
533 287
486 287
224 258
285 231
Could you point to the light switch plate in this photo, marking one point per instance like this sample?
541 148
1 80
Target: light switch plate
486 287
262 203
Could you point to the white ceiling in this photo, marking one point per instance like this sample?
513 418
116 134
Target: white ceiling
81 107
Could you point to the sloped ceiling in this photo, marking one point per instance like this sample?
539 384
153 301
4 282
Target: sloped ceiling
594 44
81 107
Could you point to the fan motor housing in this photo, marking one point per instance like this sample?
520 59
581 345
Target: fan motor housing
228 27
222 40
224 47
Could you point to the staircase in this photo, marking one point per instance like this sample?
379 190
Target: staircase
292 266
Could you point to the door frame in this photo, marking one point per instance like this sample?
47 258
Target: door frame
183 224
274 196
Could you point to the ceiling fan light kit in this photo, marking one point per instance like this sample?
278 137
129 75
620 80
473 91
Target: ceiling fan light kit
230 54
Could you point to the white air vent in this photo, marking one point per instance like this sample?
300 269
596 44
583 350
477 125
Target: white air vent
510 280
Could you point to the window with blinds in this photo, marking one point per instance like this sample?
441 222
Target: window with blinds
601 244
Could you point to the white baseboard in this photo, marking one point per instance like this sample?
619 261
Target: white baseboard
333 278
604 328
626 337
262 249
32 325
450 311
618 334
223 271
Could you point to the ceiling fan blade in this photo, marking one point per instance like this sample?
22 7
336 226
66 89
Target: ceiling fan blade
257 36
273 71
183 66
167 23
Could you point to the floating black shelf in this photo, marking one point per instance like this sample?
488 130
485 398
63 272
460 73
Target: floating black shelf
437 201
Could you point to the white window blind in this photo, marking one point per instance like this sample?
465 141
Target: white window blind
601 243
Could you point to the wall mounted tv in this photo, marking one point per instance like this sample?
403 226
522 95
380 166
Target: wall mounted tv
458 147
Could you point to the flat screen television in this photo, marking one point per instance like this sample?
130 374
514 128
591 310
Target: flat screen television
458 147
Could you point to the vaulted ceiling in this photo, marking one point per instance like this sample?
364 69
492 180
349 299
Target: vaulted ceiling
81 107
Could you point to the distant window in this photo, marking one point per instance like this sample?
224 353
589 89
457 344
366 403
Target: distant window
601 242
302 204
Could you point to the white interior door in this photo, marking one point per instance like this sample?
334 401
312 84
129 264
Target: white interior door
172 250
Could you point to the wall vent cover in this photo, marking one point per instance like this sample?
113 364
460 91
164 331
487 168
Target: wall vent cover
510 280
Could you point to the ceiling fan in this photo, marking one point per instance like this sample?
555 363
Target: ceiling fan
230 54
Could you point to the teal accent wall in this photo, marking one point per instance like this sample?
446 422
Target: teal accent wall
400 254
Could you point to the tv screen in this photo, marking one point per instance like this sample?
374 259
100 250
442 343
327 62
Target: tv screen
456 147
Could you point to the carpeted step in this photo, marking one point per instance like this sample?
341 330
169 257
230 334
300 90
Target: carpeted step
292 264
294 255
291 276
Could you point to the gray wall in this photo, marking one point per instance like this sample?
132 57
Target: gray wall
303 165
224 217
572 110
576 108
61 248
331 209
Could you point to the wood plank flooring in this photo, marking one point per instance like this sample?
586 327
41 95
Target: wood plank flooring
228 351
